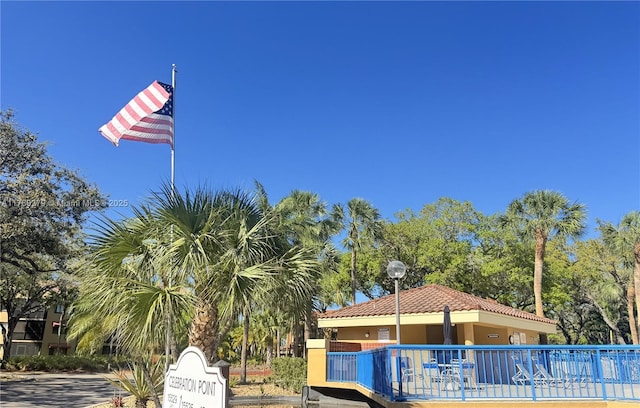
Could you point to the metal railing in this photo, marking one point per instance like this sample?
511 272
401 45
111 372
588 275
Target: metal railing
416 372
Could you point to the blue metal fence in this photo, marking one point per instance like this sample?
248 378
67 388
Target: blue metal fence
416 372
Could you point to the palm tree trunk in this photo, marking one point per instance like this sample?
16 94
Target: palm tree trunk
203 329
278 342
298 334
354 281
307 329
269 354
631 297
541 243
174 350
167 340
245 345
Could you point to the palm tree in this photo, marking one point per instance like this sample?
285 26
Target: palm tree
541 215
123 282
200 250
123 291
625 240
630 234
225 245
263 277
203 259
243 263
305 222
308 222
363 225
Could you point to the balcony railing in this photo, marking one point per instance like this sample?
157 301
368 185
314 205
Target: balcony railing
415 372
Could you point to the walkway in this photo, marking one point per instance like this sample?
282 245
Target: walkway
59 390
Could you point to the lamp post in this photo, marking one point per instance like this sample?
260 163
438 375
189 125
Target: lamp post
396 271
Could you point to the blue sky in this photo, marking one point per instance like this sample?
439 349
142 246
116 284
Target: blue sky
399 103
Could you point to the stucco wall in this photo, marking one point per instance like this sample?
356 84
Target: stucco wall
414 334
360 333
487 335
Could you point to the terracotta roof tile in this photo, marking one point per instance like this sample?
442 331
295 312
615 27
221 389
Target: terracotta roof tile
429 299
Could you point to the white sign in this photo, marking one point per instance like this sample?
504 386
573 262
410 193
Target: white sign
191 383
383 334
516 338
523 338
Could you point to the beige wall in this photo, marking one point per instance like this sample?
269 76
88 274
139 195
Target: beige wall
360 333
414 334
486 335
410 334
432 334
50 336
317 361
531 337
4 319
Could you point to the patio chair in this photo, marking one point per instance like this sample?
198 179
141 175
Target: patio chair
450 376
431 372
522 375
467 370
545 378
406 369
463 371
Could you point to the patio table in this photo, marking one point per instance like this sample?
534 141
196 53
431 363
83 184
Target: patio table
454 373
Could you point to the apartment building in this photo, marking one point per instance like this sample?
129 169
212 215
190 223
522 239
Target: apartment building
41 333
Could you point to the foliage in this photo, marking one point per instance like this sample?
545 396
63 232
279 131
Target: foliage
60 362
539 216
190 262
624 242
42 207
305 221
436 244
233 381
501 265
117 402
290 372
364 228
141 385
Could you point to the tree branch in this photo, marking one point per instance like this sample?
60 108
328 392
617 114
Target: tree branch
34 266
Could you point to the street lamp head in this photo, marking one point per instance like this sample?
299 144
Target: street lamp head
396 270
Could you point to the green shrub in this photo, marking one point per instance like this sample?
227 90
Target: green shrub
233 381
290 372
61 362
137 385
256 360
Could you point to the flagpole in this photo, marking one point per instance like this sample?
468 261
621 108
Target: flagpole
173 144
168 333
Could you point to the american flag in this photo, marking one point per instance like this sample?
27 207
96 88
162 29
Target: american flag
146 118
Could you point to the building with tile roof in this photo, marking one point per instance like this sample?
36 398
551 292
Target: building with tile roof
476 320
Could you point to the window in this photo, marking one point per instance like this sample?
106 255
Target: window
26 349
34 330
59 309
29 330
